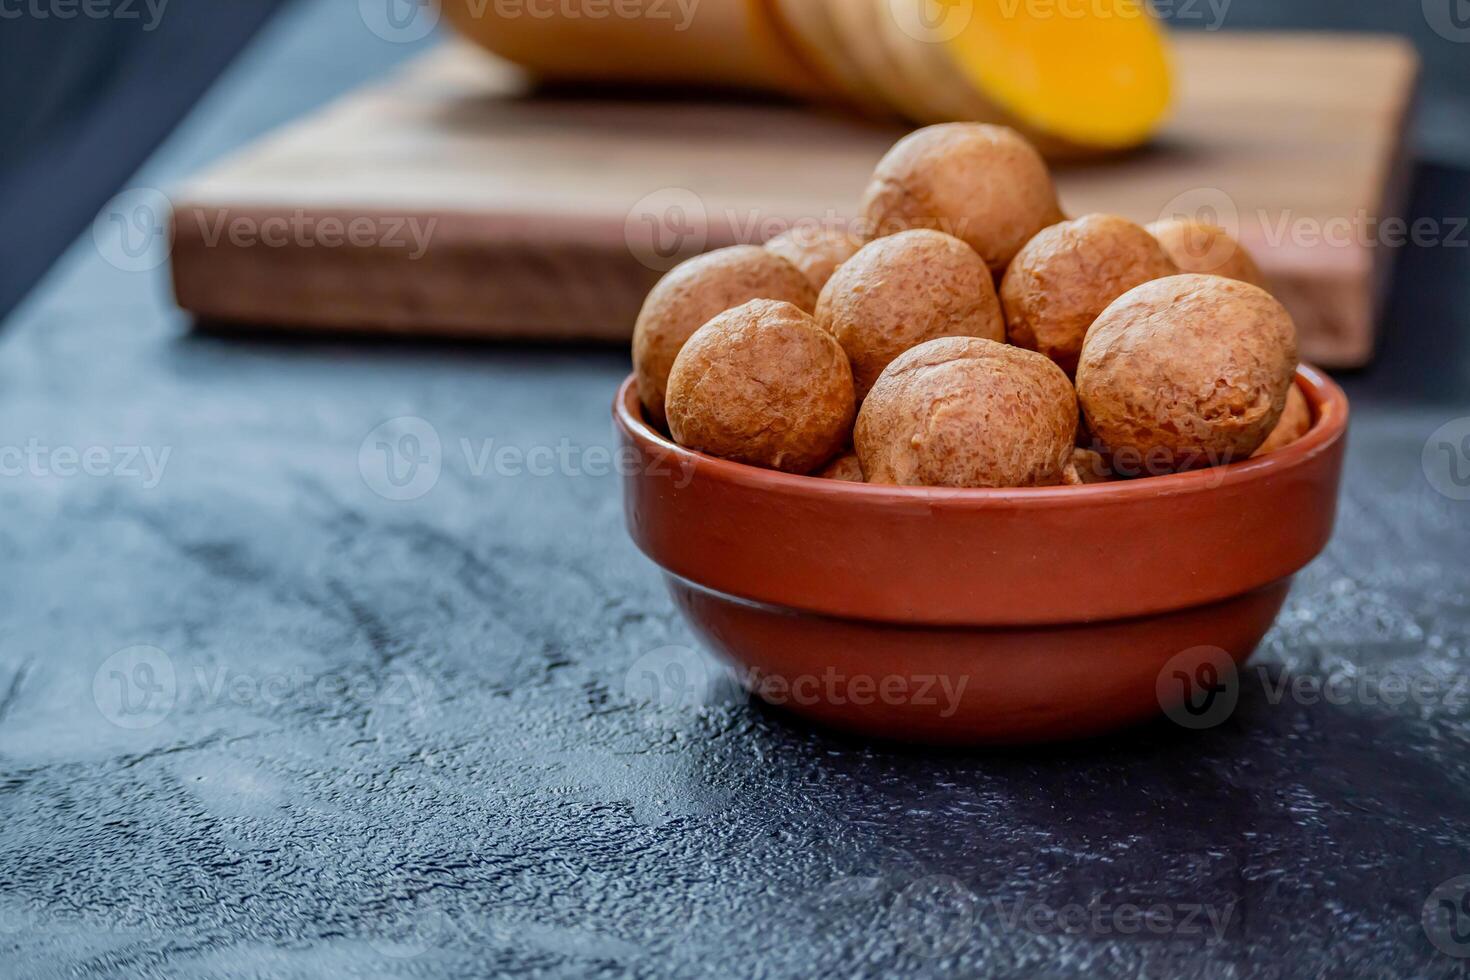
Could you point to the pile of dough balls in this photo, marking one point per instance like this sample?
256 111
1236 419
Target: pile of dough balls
968 334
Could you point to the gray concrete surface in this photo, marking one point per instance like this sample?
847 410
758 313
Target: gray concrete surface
258 719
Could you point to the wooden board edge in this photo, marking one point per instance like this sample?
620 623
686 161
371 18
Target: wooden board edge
531 279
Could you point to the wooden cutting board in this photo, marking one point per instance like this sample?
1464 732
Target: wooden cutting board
451 201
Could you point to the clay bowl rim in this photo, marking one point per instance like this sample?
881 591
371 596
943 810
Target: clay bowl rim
1328 402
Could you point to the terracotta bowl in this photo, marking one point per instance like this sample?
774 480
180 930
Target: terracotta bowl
982 616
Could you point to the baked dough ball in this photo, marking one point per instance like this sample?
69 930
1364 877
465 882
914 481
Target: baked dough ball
1185 372
1296 419
1086 466
762 384
692 293
986 185
845 467
1197 246
1067 274
967 412
817 252
902 290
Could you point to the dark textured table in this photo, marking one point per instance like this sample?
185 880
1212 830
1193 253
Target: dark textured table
266 711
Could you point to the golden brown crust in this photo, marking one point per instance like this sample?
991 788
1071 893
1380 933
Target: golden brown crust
817 252
986 185
1185 372
900 291
1068 274
1296 419
762 384
1196 246
694 292
845 467
967 412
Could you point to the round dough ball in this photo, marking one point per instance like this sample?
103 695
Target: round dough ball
692 293
1197 246
1185 372
762 384
845 467
817 252
1296 419
1068 274
900 291
985 185
967 412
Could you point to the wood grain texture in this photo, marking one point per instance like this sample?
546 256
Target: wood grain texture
550 214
